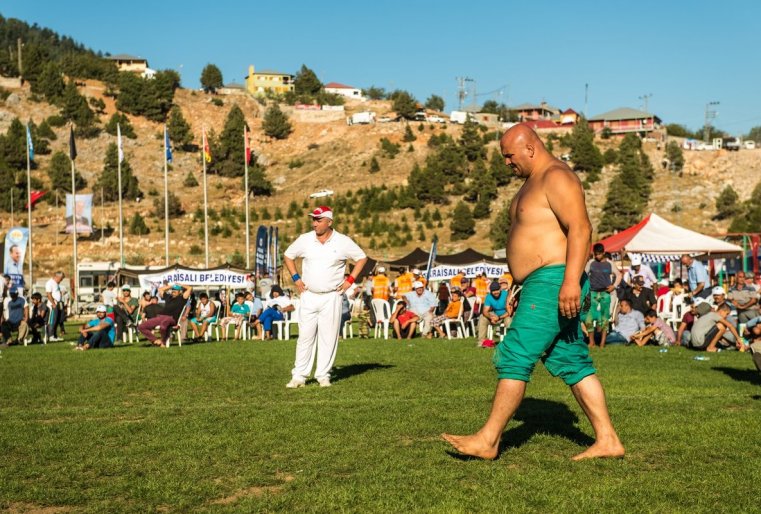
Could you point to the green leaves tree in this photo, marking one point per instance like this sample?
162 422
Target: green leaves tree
306 82
727 204
125 125
500 227
462 225
59 172
403 103
211 78
675 156
275 123
435 103
179 129
109 177
585 155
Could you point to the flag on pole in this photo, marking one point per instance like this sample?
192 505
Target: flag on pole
206 150
29 143
248 145
119 142
431 258
72 145
167 145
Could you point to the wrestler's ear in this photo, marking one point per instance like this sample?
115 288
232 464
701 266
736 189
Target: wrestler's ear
530 149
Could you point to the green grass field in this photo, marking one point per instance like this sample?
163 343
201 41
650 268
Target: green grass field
211 428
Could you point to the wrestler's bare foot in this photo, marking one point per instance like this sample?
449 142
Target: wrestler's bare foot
473 445
608 449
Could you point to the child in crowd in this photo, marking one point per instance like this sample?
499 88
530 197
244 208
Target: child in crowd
657 332
403 320
239 313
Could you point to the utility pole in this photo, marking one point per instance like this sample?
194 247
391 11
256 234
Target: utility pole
645 99
461 90
709 116
20 64
586 98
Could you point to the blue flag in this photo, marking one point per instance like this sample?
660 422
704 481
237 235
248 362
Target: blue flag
29 143
167 145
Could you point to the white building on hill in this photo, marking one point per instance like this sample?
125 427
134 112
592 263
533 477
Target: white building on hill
344 90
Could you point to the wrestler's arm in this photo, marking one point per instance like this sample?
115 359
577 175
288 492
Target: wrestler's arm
566 199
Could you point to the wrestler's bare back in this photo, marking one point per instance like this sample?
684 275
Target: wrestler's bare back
536 237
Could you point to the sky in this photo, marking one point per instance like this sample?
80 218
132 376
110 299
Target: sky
676 55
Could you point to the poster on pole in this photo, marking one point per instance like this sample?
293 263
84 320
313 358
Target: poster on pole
261 250
15 251
79 214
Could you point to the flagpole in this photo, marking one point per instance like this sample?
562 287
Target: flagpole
166 202
74 232
29 209
119 153
245 180
205 199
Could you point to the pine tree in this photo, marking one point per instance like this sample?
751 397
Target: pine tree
74 108
36 56
675 156
498 169
125 125
435 103
306 82
211 78
137 226
227 152
275 123
51 83
13 146
179 129
472 142
174 206
585 155
727 204
500 227
44 131
404 104
109 177
462 225
59 171
190 180
408 135
258 185
374 166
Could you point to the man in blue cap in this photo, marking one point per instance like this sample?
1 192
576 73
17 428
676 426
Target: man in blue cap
175 298
15 316
98 332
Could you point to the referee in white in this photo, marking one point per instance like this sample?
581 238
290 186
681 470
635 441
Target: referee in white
325 253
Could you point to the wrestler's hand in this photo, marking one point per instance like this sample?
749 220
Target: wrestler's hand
300 286
343 287
569 300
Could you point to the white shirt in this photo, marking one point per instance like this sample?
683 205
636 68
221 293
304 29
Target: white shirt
52 287
109 297
281 301
324 263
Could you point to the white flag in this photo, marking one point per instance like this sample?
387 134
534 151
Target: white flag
119 142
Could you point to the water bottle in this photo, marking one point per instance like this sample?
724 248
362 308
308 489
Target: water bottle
701 358
663 350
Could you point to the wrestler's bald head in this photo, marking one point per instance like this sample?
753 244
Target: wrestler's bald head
522 149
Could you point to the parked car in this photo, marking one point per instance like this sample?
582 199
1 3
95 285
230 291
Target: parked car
361 118
565 157
749 145
731 143
322 193
420 116
436 119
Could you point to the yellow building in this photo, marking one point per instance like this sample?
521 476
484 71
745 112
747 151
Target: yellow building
125 62
267 80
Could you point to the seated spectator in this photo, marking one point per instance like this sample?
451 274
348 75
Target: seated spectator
641 298
403 320
708 330
97 333
125 310
451 313
685 325
656 331
38 318
15 317
274 308
494 311
239 312
663 287
677 287
255 306
422 302
205 314
754 339
628 323
744 299
475 311
165 317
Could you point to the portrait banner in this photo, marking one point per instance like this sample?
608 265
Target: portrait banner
15 251
79 214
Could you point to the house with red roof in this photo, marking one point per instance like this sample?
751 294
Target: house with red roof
625 120
342 89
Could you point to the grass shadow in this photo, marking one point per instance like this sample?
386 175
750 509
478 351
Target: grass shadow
342 372
741 375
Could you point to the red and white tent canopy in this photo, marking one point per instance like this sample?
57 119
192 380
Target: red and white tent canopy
658 240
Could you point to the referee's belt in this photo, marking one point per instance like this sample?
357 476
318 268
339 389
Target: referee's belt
322 292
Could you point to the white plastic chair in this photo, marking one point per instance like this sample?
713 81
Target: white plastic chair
382 311
475 307
663 308
459 325
348 328
677 310
284 325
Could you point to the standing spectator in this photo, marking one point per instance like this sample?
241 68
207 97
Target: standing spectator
628 323
443 296
639 270
640 297
656 331
604 278
697 277
422 302
744 299
456 281
15 317
97 333
481 283
494 312
53 292
381 285
403 284
38 318
125 310
325 252
417 276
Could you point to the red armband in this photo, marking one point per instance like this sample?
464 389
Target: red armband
350 279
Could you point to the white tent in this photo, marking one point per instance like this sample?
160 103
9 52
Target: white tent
659 240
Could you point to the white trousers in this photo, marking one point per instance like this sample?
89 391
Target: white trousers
319 323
